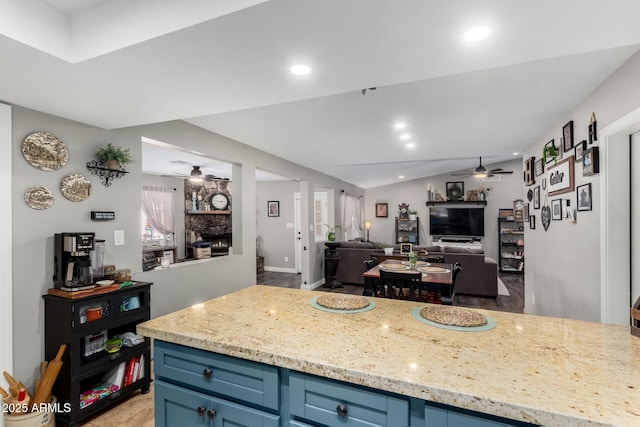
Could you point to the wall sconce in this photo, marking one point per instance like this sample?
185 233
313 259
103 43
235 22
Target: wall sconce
196 174
367 225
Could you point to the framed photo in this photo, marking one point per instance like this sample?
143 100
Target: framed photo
405 248
567 135
539 164
593 129
556 209
472 195
584 197
455 190
566 205
532 222
551 143
382 210
536 197
579 149
590 161
273 208
561 177
525 213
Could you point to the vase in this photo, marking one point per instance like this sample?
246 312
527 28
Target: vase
388 251
331 236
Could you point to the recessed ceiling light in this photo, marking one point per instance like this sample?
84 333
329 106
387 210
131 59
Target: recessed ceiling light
516 154
300 70
405 136
401 177
477 33
410 145
400 125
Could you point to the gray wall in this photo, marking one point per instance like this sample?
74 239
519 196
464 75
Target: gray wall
173 288
414 193
563 264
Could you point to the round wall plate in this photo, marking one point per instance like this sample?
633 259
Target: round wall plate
75 187
39 197
45 151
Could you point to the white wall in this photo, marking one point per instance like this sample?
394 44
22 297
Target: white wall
414 193
563 264
6 289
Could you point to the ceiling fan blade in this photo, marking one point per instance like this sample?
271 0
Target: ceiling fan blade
500 172
462 174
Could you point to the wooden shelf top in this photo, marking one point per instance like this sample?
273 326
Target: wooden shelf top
459 202
209 212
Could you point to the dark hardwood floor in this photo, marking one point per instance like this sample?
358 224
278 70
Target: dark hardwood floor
513 303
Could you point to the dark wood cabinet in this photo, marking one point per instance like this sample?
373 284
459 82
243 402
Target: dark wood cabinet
88 369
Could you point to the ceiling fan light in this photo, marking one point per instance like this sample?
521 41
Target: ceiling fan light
481 175
196 174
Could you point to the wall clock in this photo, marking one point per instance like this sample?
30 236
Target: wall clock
219 201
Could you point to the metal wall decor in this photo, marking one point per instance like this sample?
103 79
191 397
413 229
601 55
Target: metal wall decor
75 187
45 151
106 175
39 197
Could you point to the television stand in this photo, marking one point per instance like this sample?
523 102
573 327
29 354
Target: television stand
459 242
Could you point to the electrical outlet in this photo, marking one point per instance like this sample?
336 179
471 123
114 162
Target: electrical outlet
286 259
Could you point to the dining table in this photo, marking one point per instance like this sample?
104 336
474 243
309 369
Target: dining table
436 277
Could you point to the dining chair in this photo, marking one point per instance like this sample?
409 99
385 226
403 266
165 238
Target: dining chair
437 293
370 282
398 285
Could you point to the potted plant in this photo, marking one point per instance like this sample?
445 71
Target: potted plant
114 156
413 214
331 234
388 248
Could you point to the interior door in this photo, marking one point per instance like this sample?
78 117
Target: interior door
635 216
297 232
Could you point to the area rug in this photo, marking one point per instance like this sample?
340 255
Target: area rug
502 289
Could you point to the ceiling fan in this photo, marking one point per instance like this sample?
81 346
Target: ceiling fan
482 172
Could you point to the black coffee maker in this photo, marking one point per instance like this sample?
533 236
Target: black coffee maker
72 261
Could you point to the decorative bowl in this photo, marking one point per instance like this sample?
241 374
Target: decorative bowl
112 345
105 282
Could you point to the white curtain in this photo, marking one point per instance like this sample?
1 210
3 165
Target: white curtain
351 216
157 203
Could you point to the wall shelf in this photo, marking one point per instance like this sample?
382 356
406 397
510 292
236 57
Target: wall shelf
482 203
106 175
209 212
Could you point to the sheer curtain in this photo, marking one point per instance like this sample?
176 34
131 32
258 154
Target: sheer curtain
157 203
351 217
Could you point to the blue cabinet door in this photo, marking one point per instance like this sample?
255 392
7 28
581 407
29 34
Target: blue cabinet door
436 416
176 406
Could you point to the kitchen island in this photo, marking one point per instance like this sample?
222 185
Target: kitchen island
533 369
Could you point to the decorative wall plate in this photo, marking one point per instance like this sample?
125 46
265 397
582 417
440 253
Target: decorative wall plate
546 217
75 187
45 151
39 197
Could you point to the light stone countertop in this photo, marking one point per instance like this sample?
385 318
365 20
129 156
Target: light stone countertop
543 370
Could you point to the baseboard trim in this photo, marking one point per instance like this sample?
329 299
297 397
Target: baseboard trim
313 286
280 269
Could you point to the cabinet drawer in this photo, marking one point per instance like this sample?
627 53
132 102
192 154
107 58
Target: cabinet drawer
225 376
317 400
437 416
176 406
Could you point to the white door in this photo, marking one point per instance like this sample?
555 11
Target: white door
635 217
297 232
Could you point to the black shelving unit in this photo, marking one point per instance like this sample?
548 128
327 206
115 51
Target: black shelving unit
408 231
86 363
511 245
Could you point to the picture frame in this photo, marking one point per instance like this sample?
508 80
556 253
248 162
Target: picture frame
556 209
566 206
526 212
472 195
405 248
591 161
561 177
382 210
273 208
536 197
532 222
579 149
583 196
529 168
539 166
455 190
567 135
593 129
549 144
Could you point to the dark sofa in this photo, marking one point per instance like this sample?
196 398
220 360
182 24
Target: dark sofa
479 274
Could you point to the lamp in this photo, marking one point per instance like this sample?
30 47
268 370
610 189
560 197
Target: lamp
367 225
196 174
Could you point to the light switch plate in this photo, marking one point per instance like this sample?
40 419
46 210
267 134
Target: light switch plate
118 237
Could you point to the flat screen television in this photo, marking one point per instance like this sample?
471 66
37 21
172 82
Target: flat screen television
456 221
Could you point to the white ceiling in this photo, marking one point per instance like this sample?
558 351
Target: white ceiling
224 65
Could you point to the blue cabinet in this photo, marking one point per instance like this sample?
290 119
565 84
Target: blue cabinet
200 388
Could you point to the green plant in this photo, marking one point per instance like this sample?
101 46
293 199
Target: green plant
332 229
413 212
549 151
114 152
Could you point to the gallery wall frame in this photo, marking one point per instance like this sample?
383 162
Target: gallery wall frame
579 149
556 209
273 208
382 210
561 177
591 161
536 197
532 222
567 136
583 196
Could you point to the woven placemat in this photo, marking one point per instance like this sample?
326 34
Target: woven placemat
453 318
341 303
433 270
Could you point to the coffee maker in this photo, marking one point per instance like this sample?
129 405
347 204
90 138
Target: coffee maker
72 261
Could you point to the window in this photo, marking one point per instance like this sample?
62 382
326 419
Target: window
157 215
320 215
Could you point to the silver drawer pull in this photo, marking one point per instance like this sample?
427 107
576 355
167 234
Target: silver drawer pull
211 413
342 410
207 373
201 410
